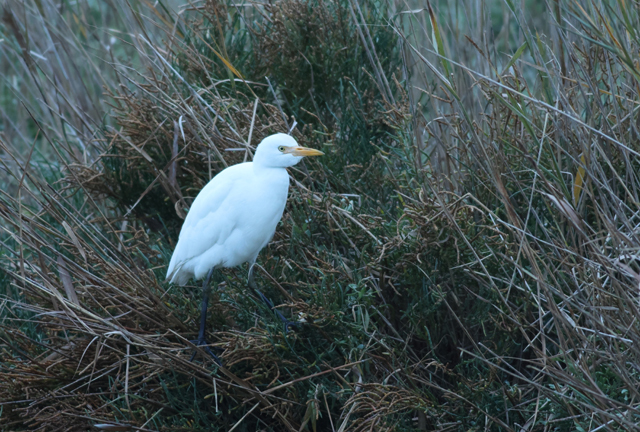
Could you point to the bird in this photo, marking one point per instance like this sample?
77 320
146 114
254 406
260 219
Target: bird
233 217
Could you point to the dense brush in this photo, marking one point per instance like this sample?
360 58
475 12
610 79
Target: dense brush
465 256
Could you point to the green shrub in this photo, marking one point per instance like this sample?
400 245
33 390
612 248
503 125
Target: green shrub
463 257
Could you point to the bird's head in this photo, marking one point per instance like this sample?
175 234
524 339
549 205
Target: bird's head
281 151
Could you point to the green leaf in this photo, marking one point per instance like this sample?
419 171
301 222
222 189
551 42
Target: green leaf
437 39
515 57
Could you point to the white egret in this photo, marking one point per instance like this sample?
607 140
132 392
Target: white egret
234 216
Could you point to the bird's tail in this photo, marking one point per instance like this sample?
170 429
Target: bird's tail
176 274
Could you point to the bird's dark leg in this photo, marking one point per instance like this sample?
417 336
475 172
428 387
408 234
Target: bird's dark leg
202 341
252 284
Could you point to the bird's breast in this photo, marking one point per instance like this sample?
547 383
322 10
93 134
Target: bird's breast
256 213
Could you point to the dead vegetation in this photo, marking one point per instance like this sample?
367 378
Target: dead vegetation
464 258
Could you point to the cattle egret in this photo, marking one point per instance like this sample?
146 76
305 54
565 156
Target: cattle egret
234 216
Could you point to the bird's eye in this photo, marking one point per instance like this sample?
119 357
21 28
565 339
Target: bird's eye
281 148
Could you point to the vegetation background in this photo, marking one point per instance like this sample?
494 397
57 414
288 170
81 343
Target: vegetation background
464 258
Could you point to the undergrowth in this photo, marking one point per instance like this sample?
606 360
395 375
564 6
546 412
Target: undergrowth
464 257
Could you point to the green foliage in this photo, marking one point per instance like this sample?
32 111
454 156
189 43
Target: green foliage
463 257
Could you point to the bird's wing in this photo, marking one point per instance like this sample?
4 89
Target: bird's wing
210 216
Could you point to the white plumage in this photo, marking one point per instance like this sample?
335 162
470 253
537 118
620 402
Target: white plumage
236 213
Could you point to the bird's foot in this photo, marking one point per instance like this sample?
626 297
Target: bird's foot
290 325
202 342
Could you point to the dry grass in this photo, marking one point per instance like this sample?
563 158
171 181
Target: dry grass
464 258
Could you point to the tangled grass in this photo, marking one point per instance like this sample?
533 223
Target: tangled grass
464 258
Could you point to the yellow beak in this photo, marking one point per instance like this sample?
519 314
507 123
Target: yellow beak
303 151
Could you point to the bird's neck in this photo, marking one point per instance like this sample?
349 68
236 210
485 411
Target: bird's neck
268 172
